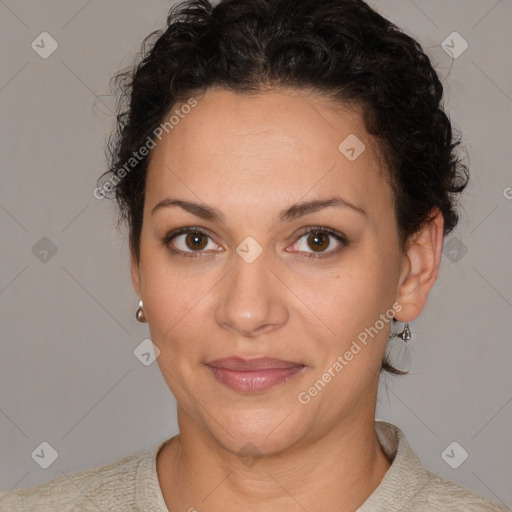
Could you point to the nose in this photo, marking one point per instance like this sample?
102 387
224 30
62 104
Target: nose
252 300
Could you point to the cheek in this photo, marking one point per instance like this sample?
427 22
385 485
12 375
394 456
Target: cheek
353 344
175 303
344 295
346 307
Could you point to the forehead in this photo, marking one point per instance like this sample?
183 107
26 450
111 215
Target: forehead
282 144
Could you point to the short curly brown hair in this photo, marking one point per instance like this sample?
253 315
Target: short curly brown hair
340 48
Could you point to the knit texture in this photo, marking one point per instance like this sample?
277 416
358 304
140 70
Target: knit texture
131 484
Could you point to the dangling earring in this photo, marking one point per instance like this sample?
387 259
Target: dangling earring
139 315
405 334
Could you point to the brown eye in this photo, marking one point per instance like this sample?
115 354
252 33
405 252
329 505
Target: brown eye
196 241
318 241
189 240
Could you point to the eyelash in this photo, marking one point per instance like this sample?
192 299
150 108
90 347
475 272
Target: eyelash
166 240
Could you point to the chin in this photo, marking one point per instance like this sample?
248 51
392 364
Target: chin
256 433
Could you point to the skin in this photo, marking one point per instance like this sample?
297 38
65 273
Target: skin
250 157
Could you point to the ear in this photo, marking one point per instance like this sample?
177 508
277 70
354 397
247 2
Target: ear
420 268
134 267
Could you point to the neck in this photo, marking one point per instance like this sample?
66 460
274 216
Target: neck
343 467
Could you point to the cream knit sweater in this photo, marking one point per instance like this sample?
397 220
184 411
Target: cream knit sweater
131 484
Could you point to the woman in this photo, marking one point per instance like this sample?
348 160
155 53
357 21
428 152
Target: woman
288 175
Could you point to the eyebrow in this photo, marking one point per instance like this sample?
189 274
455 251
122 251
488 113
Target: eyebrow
295 211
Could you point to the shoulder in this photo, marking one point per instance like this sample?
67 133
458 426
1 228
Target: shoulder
441 494
410 487
87 490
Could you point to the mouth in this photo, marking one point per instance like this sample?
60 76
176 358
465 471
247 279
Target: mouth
259 363
253 375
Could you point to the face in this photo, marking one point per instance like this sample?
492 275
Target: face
252 282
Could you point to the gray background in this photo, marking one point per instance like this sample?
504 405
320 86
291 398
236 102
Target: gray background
68 375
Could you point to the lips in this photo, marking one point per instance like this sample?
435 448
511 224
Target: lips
261 363
253 375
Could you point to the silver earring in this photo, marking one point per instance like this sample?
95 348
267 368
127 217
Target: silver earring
405 334
139 315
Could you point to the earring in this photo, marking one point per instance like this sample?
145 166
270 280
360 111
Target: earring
139 315
405 334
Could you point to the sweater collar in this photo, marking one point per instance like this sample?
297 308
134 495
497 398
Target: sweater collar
405 478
